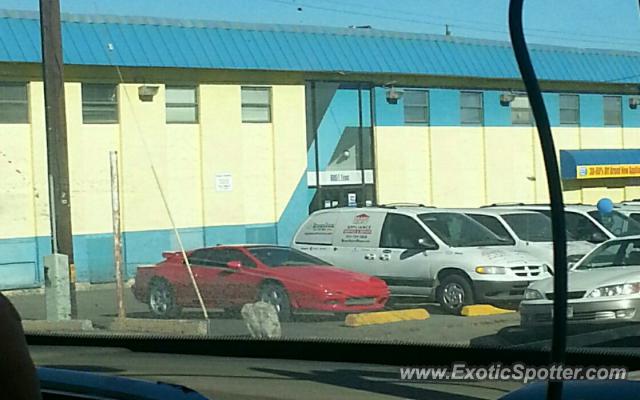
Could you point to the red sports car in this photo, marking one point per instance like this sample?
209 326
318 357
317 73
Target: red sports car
230 276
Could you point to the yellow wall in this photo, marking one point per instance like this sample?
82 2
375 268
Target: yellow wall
509 164
457 167
472 166
403 164
267 161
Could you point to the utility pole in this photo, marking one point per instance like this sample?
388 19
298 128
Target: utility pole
56 126
117 233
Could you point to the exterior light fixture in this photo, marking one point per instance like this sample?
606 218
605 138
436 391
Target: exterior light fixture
633 102
147 92
393 95
506 98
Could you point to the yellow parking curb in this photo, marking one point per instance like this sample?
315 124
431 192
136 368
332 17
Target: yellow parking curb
477 310
384 317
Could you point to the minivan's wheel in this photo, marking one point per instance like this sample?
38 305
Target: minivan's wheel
454 293
274 294
162 300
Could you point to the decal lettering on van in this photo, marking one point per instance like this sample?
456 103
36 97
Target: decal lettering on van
324 228
359 231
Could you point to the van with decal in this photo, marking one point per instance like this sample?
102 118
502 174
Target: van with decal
419 251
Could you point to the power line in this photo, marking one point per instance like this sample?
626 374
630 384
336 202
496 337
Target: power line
605 39
473 24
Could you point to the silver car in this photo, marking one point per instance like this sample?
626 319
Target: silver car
602 287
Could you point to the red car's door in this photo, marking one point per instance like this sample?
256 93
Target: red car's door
237 287
206 270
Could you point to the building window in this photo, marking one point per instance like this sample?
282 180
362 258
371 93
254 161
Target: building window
521 111
182 104
471 108
256 104
99 103
14 106
612 111
569 109
416 106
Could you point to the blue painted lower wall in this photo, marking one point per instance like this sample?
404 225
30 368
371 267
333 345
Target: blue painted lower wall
21 258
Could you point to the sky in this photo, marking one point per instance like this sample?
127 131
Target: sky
608 24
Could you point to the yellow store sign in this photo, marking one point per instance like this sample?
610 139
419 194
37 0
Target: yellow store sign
607 171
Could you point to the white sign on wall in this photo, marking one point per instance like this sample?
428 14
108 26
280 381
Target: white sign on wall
224 182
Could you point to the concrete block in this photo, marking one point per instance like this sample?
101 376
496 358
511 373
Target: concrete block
174 327
385 317
69 325
477 310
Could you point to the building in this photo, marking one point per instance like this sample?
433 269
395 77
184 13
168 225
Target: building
253 126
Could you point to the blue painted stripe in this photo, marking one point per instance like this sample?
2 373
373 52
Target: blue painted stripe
444 107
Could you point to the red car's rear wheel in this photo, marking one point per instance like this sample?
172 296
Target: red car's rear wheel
162 300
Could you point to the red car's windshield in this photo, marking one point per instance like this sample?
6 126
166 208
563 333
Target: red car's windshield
283 257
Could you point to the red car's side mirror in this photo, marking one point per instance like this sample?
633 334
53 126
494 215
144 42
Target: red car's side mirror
234 264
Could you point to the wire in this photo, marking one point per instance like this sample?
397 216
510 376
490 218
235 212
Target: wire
559 233
605 40
156 178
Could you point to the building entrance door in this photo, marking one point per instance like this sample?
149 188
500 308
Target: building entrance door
340 145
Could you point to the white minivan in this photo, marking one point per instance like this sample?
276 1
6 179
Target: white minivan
530 230
420 251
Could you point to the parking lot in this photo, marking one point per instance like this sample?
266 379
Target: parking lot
98 304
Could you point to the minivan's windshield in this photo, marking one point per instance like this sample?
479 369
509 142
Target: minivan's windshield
459 230
616 253
532 227
284 257
617 223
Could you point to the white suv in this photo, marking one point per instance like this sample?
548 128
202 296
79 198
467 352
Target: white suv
420 251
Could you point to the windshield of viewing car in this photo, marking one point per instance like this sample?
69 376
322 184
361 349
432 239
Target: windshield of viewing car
459 230
277 257
205 155
617 223
532 227
618 253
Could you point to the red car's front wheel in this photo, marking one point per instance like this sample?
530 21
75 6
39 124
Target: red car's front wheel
274 294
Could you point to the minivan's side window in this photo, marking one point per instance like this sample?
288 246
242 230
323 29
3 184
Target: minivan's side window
403 232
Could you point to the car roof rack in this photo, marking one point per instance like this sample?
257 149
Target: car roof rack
502 205
403 204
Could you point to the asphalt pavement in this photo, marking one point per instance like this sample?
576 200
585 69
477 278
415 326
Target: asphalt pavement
98 304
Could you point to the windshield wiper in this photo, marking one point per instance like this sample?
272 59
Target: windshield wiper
559 339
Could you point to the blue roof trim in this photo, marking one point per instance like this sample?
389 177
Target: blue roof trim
154 42
571 159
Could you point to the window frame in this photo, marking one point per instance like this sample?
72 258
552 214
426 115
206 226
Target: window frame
618 110
481 108
195 105
577 109
268 106
521 109
426 106
25 103
115 103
